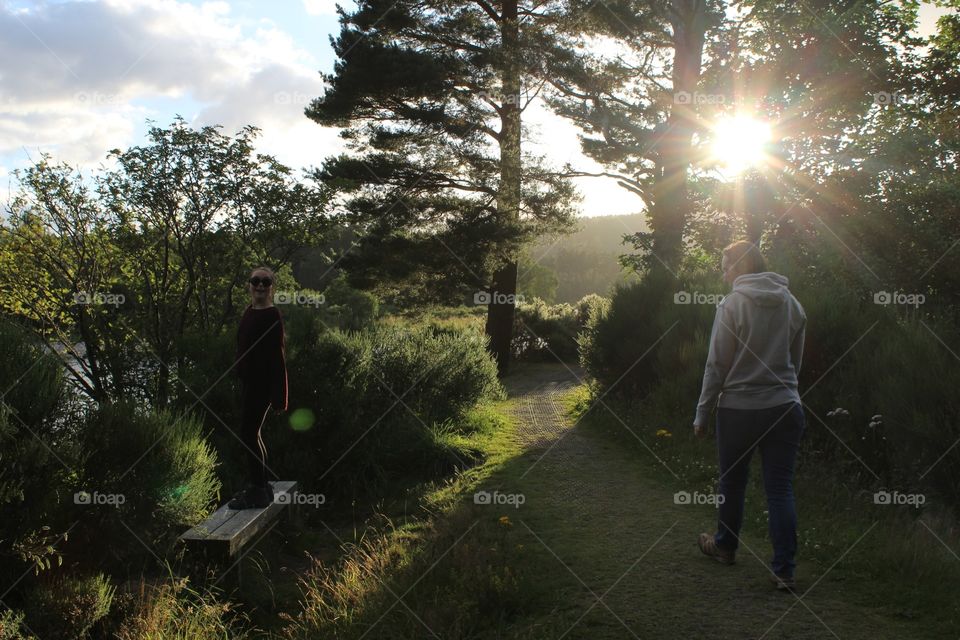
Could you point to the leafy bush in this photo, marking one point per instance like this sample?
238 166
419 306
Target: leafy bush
207 383
145 476
69 606
348 308
384 401
900 370
646 335
37 454
545 332
343 307
32 377
11 626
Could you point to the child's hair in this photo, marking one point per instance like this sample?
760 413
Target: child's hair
267 269
748 254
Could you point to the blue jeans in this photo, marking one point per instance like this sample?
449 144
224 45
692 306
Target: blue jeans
776 431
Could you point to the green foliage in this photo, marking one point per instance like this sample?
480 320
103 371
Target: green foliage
11 626
175 610
145 476
465 570
866 358
154 251
35 451
441 319
69 606
428 185
536 280
32 379
385 401
545 332
644 336
899 369
348 308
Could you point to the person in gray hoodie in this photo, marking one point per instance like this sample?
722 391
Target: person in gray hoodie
756 347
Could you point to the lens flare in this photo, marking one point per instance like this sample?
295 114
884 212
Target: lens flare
740 142
301 419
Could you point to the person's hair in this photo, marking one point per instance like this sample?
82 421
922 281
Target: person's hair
747 255
267 269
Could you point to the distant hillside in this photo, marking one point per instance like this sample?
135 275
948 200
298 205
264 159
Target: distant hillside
583 262
603 233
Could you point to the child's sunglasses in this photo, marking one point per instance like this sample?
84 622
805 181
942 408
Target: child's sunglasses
256 281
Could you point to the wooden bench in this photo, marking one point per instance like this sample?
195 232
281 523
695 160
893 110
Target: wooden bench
227 530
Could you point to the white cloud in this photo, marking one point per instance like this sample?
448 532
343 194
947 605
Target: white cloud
80 78
320 7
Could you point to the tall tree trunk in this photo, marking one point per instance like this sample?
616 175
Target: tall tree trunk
500 312
670 198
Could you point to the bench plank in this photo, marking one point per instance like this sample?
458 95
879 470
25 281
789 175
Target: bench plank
231 529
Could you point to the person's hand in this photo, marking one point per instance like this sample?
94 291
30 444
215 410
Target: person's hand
699 431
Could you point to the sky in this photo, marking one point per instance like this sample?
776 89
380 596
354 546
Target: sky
81 77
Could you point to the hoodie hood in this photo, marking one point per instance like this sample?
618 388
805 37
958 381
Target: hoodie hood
765 289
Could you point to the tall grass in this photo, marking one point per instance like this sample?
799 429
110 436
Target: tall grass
173 610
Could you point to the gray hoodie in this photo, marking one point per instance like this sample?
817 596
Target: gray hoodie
755 347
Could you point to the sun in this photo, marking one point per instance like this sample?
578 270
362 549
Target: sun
740 142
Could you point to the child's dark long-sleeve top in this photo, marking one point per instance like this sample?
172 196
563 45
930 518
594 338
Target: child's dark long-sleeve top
261 354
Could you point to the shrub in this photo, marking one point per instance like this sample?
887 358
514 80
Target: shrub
10 626
31 378
545 332
646 334
69 606
348 308
207 383
37 454
145 476
384 401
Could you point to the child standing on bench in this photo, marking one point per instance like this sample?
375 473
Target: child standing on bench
261 366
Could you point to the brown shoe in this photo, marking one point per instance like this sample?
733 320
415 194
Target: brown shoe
782 583
709 547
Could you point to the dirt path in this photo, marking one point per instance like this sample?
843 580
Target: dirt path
634 570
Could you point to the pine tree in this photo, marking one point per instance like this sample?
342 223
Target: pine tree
431 95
